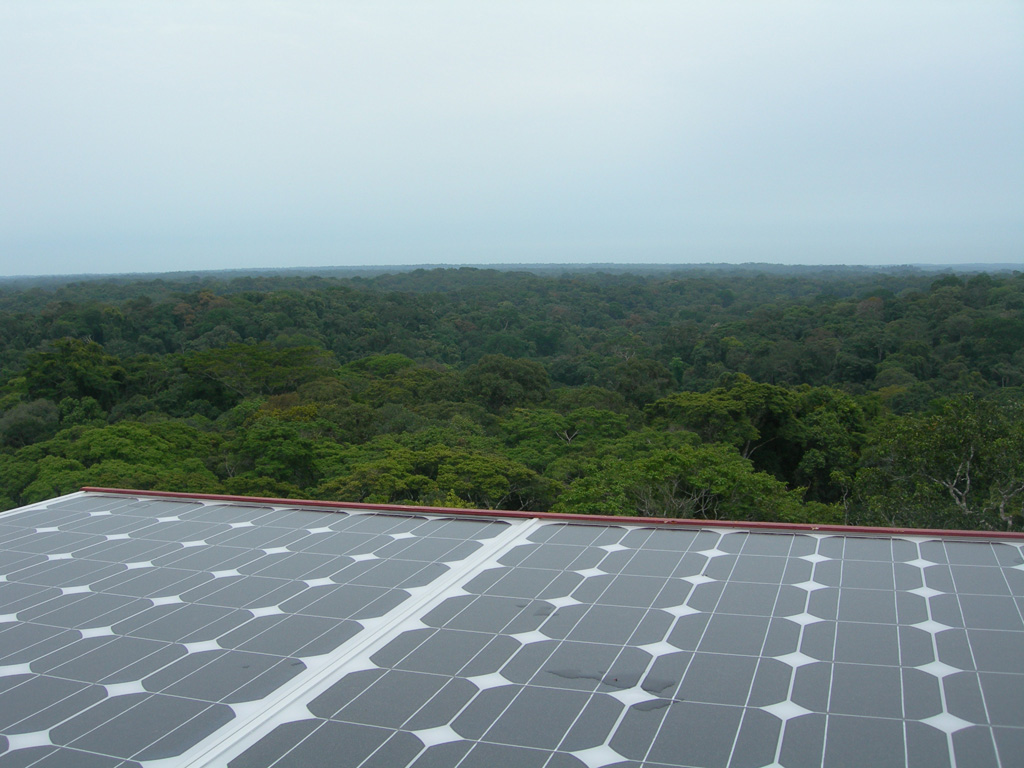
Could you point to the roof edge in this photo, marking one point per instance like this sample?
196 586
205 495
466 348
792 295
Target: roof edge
605 519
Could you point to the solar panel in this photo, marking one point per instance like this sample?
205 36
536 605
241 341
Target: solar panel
133 629
143 631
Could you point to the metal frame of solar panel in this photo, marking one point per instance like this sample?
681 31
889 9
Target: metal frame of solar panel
164 630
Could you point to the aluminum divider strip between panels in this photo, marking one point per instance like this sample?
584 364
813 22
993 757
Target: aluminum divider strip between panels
257 719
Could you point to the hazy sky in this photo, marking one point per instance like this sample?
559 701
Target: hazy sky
160 136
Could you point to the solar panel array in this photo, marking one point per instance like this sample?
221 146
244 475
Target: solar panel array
139 631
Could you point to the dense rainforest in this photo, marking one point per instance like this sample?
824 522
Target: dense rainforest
860 396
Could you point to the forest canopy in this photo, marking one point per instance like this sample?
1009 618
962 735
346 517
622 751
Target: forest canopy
861 396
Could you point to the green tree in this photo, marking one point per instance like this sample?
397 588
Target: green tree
956 467
74 368
538 437
164 455
740 412
691 481
500 382
828 431
260 369
414 469
27 423
268 446
641 380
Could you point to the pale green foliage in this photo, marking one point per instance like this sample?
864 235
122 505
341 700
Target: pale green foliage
132 455
691 480
417 469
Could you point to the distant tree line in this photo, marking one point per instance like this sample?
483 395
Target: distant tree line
859 396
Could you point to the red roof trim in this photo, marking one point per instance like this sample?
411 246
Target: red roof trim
605 519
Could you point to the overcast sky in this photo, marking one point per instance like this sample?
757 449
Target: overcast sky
162 136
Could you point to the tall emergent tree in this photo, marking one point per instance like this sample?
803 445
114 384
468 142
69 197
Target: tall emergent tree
959 466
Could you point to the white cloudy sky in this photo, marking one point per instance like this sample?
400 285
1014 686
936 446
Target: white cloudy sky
156 136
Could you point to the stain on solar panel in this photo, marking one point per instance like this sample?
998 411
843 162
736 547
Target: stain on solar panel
143 631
